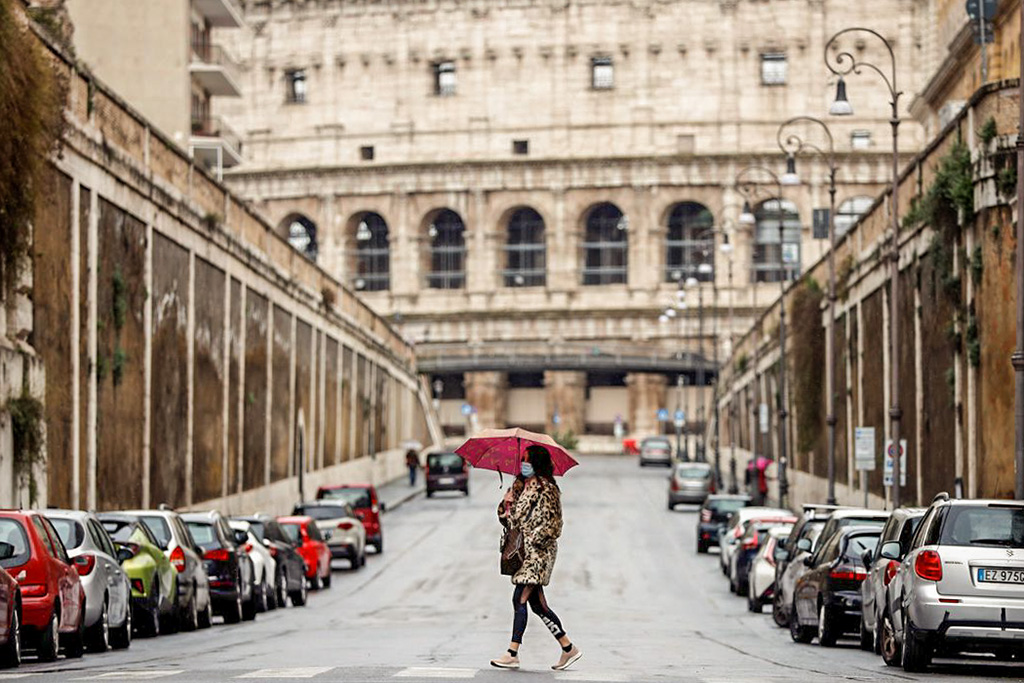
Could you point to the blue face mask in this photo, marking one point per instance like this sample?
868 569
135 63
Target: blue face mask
526 469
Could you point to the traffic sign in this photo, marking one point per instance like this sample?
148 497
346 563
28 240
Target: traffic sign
890 452
988 6
864 448
763 417
662 414
680 419
467 409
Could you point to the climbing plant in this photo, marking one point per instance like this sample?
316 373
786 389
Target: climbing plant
808 358
28 436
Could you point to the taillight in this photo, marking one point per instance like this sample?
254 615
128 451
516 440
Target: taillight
737 532
247 547
85 564
848 574
178 559
675 484
138 586
890 572
273 551
33 590
344 526
750 543
217 555
928 565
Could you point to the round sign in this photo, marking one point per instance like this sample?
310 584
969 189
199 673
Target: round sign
892 450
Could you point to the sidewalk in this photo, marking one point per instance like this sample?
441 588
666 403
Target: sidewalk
397 492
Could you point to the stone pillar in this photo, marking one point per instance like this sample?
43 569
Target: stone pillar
647 393
488 393
565 395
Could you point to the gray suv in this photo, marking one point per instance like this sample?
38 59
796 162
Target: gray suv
961 582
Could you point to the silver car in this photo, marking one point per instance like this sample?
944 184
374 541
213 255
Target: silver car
690 482
655 450
961 583
342 530
108 614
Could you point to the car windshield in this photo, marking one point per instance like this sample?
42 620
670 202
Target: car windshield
691 472
321 511
71 532
204 535
160 528
356 497
1001 526
292 531
655 443
441 461
12 532
856 545
727 505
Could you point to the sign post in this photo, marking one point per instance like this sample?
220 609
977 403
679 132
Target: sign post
864 456
680 420
890 453
763 418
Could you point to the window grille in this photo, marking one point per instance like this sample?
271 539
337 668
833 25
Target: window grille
444 79
860 139
447 252
605 246
689 242
602 73
373 255
295 80
773 260
525 252
774 69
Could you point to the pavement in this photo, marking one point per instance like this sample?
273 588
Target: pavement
628 586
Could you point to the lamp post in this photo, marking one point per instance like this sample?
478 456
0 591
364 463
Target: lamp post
792 145
1018 355
748 187
726 249
842 64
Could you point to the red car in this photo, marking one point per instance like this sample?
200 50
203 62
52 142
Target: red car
363 499
52 598
309 542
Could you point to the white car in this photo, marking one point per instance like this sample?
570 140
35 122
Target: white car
343 532
263 565
761 581
734 529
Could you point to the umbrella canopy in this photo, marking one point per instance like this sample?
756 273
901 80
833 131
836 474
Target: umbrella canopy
502 450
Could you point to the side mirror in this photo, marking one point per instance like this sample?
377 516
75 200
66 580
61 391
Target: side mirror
809 561
780 554
6 551
266 542
866 558
241 538
891 551
124 553
804 545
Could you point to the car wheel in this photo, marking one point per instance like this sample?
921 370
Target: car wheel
867 639
328 577
272 595
189 619
778 613
916 653
73 644
206 616
263 599
799 633
300 596
10 653
282 588
465 491
99 634
233 614
892 654
49 639
827 635
379 545
151 621
316 582
430 494
121 637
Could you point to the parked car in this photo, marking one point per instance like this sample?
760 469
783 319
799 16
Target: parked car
447 472
342 530
749 544
108 594
304 532
789 557
841 518
736 525
153 580
227 564
961 582
875 595
714 513
10 614
827 597
263 565
690 482
194 606
52 600
761 577
655 450
367 505
290 581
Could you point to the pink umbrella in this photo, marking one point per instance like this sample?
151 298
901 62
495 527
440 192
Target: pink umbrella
502 450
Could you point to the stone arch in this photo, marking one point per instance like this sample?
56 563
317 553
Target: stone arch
368 251
524 247
302 233
605 247
444 254
689 242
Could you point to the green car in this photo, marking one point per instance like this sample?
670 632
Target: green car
154 581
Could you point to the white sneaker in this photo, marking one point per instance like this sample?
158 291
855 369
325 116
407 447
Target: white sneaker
567 659
506 661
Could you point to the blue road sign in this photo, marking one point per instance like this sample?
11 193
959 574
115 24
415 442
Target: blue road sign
663 415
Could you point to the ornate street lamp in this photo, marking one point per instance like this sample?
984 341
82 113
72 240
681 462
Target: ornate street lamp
1018 355
842 64
748 186
792 145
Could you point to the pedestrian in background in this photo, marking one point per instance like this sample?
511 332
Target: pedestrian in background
533 505
412 461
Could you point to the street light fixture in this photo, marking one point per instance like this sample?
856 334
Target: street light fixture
842 64
793 145
748 186
790 177
747 216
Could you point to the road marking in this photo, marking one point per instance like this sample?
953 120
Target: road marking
129 675
300 672
11 677
435 672
591 677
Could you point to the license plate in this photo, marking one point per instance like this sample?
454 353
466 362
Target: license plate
989 575
446 480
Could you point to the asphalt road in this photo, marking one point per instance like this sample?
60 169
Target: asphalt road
628 587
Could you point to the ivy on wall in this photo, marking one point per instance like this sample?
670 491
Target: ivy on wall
808 360
28 436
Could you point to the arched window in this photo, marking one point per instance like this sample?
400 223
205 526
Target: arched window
850 211
301 233
605 246
772 259
447 256
525 252
373 257
689 243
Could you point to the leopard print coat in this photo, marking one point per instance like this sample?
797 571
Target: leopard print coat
537 511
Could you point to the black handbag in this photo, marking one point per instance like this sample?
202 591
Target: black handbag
513 548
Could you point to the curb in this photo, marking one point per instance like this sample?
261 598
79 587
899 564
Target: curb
405 498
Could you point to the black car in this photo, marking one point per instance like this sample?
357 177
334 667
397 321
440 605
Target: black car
227 564
447 472
827 599
713 514
290 581
789 557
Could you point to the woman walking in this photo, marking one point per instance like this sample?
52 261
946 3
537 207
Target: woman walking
533 505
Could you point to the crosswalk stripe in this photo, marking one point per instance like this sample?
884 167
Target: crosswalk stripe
143 675
299 672
435 672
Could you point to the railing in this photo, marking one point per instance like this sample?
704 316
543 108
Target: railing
216 127
208 53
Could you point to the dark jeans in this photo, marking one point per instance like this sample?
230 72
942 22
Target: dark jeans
539 605
412 475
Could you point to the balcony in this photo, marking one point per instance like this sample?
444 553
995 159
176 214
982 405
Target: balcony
220 13
215 144
214 70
